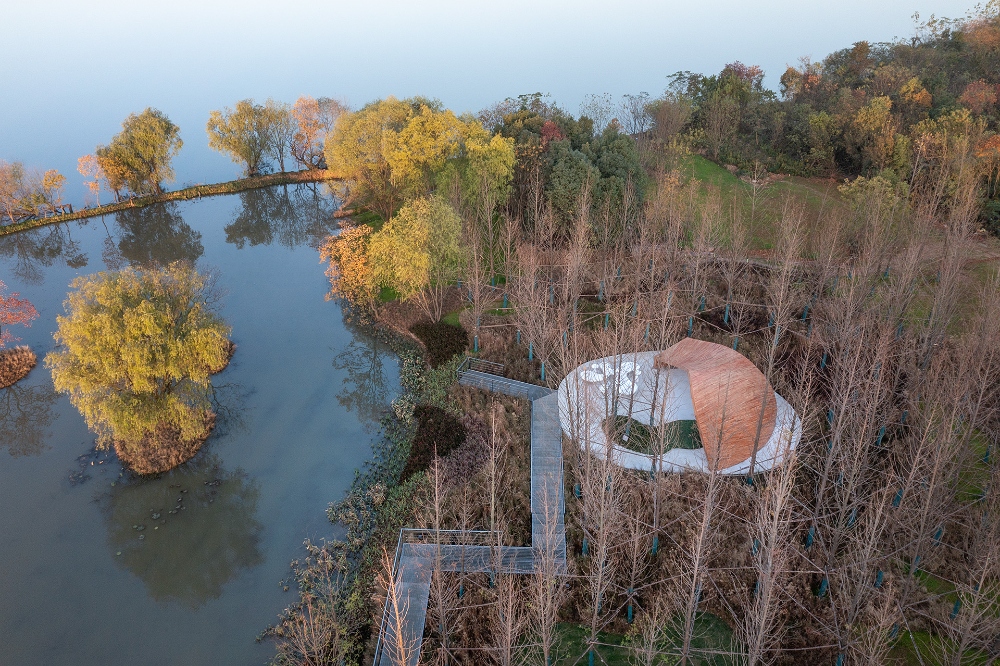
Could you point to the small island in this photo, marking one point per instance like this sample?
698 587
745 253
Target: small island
136 352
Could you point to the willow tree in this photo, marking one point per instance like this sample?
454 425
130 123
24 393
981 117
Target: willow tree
251 132
393 151
314 120
138 158
136 352
419 252
356 149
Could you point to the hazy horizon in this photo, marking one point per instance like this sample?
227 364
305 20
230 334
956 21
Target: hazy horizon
72 73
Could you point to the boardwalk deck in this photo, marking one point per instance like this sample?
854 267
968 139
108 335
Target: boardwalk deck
417 561
498 384
548 504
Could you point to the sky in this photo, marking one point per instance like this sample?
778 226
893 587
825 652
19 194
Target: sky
72 70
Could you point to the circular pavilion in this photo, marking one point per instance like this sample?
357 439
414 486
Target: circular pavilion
740 418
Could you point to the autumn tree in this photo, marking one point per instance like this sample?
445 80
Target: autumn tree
356 149
350 271
138 158
90 167
25 192
721 120
136 352
282 130
251 132
422 147
11 189
874 134
395 150
418 253
314 119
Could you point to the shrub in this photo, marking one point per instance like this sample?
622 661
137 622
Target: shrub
442 340
438 433
15 364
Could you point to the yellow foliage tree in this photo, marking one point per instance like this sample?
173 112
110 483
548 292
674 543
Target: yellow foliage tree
874 130
135 352
489 171
357 150
391 151
419 253
913 92
427 140
946 151
139 157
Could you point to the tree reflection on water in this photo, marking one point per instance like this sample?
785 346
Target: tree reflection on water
40 248
188 532
365 391
25 416
292 216
157 234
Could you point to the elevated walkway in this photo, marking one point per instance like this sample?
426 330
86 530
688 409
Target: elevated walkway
486 375
420 552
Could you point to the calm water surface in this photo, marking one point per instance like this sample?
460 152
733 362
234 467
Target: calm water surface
87 576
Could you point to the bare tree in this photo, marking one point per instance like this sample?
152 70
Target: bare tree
399 641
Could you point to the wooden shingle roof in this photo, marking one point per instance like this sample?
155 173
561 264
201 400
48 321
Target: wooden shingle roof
734 403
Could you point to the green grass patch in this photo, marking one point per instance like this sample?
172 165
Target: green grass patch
388 294
571 647
707 171
631 434
711 644
919 648
936 585
371 218
974 478
452 318
817 197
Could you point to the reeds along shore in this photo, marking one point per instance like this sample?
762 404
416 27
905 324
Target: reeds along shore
194 192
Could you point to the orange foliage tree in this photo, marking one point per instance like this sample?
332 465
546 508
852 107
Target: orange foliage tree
978 96
351 274
314 118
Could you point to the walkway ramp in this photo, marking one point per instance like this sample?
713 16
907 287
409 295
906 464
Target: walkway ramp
548 504
420 552
497 384
413 588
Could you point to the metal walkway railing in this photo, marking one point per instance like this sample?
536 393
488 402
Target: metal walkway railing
420 551
488 376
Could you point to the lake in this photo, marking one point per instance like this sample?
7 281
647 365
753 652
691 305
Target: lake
188 568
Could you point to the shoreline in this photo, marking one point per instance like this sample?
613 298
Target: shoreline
193 192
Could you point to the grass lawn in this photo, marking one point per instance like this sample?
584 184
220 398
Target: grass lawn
920 648
816 195
975 478
711 641
388 294
371 218
572 647
633 435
